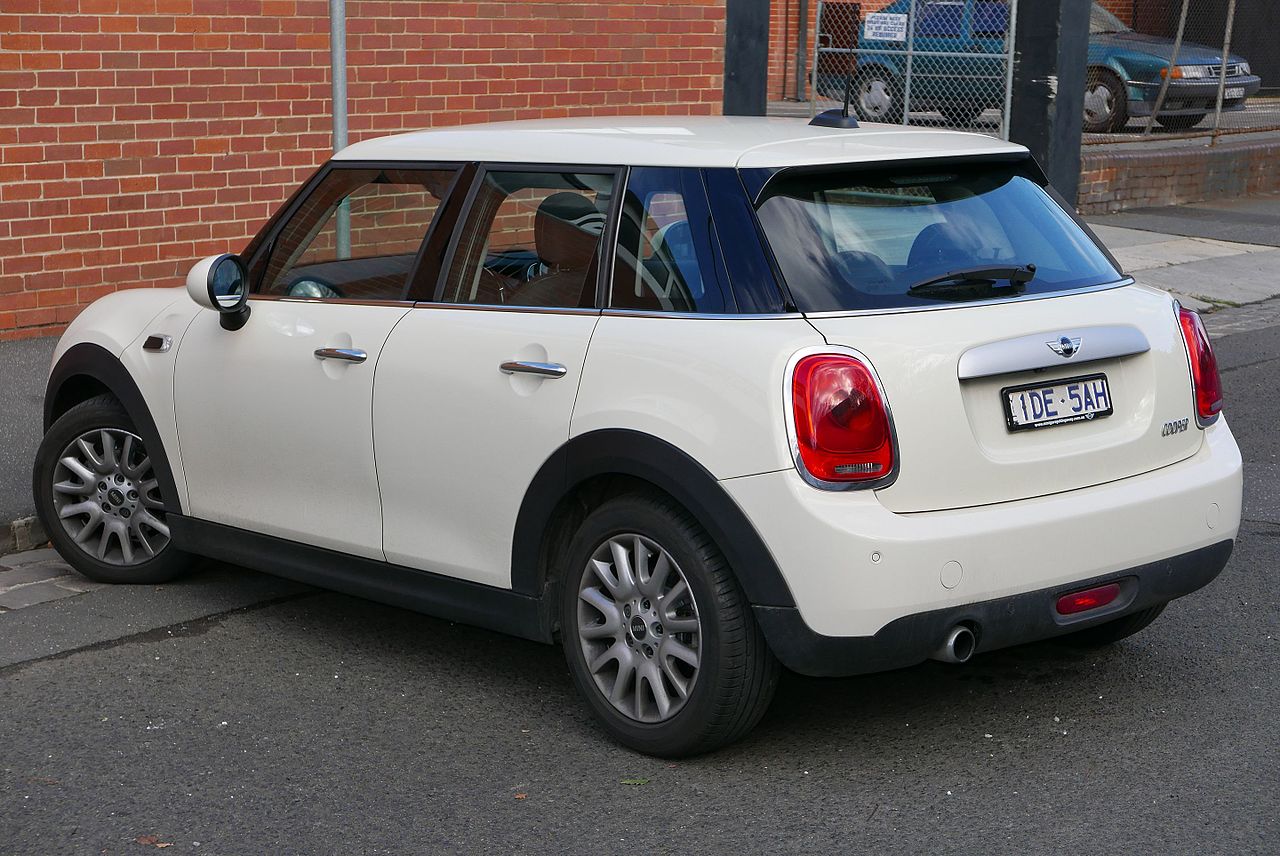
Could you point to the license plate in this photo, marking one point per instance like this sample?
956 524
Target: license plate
1060 402
1234 92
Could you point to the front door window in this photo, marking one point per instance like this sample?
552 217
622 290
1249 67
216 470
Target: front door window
356 236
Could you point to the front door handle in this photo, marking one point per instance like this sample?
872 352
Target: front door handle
350 355
528 367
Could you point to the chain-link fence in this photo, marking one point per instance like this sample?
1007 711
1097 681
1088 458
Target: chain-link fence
935 62
1156 68
1161 67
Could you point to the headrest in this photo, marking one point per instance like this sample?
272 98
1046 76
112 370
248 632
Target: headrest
562 242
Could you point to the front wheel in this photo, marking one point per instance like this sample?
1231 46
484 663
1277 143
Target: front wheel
1106 104
99 499
657 633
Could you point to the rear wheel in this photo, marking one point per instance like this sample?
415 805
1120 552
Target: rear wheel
658 635
1181 123
98 496
1106 104
877 95
1114 631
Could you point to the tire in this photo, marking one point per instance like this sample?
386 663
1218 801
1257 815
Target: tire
127 543
962 115
877 95
1106 102
1113 631
735 675
1180 123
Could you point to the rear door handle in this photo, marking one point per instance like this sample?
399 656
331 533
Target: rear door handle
551 370
350 355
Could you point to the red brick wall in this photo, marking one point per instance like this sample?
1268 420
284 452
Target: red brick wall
1113 179
139 135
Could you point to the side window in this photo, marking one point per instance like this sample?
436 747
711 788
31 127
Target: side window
666 257
356 235
531 239
940 18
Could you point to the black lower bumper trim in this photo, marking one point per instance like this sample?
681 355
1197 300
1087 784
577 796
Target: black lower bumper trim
999 623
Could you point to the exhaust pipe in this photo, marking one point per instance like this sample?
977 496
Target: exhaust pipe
958 646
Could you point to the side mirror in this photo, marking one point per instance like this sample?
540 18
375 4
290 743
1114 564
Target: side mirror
221 283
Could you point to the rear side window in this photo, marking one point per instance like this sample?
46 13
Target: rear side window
531 239
356 236
666 259
852 239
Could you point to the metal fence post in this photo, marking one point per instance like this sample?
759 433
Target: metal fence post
338 74
1222 73
1173 63
1011 42
802 48
813 69
911 48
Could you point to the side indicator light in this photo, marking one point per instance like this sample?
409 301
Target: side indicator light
1083 601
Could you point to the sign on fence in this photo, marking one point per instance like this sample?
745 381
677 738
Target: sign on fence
886 27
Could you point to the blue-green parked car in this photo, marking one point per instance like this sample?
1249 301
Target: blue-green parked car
1124 76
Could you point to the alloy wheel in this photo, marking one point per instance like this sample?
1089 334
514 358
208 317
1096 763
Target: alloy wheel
1099 103
639 628
107 497
875 98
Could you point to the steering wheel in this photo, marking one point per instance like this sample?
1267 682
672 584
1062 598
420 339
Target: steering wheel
311 287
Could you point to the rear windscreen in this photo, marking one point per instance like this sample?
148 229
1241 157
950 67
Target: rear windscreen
857 239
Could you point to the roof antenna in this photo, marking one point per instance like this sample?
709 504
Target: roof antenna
838 117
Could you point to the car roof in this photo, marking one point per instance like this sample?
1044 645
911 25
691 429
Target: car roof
686 141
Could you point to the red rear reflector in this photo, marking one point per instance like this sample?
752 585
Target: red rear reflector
1206 383
1083 601
842 424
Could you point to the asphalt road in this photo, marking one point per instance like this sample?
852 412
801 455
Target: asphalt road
1248 219
256 716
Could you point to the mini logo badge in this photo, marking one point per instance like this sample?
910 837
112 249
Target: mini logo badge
1066 347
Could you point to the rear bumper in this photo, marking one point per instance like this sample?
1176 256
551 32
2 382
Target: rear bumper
853 567
999 623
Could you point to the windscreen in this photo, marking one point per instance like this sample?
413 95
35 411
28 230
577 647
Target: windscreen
912 236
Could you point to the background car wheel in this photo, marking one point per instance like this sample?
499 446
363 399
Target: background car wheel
1180 123
877 96
1106 102
1113 631
97 494
658 635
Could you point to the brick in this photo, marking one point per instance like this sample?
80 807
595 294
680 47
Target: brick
190 129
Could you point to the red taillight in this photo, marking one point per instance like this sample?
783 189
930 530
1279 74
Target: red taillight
1204 367
1083 601
841 420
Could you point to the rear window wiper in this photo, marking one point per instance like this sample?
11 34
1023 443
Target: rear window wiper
1017 277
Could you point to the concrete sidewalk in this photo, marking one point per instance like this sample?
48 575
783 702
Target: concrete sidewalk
1204 272
26 366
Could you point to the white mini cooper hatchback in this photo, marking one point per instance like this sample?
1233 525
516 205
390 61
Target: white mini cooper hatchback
697 397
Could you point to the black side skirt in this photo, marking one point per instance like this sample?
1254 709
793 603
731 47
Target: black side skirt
433 594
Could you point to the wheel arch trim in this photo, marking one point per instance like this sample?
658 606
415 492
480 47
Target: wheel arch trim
624 452
96 364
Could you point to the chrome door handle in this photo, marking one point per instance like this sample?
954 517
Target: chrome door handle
528 367
350 355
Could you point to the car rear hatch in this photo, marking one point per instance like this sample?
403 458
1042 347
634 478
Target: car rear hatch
944 373
1015 357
